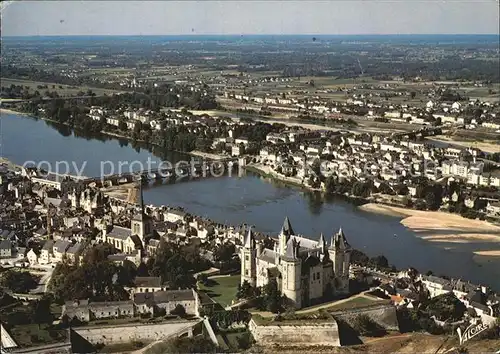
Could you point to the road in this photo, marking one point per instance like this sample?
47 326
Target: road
44 281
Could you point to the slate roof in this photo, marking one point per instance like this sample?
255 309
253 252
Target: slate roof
137 241
62 245
118 232
437 280
117 257
77 247
268 256
41 231
173 295
5 245
48 245
482 307
147 282
161 297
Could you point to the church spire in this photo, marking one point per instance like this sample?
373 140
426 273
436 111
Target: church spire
249 239
141 197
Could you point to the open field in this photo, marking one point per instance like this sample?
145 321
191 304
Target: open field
490 147
62 90
222 289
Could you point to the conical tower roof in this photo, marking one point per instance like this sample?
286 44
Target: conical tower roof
322 243
339 241
287 227
249 239
342 240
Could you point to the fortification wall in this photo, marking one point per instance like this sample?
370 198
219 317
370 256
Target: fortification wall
296 334
127 333
383 314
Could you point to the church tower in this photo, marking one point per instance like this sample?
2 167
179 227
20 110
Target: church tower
141 223
248 259
291 267
340 254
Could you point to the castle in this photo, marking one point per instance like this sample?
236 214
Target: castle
306 271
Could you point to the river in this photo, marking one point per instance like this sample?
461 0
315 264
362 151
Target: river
251 199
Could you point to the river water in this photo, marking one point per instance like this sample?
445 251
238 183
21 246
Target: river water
251 199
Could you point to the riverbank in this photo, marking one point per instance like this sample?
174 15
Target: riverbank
208 156
10 111
482 237
267 171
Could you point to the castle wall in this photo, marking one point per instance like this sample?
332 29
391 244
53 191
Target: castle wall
127 333
383 314
316 282
296 334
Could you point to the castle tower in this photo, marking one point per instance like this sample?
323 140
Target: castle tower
248 259
340 254
291 267
284 236
323 246
141 222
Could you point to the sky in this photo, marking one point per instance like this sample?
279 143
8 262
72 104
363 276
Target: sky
72 17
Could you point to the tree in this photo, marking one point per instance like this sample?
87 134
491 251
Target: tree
142 270
446 307
122 125
330 185
202 278
179 310
18 282
380 262
272 299
316 167
359 257
245 290
224 252
41 310
98 253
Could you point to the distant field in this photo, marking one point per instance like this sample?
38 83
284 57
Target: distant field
484 94
62 90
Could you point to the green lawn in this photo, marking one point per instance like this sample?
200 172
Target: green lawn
222 289
355 302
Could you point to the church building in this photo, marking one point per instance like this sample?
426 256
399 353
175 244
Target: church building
307 271
137 237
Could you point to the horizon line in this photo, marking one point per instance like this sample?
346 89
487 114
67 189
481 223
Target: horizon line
250 34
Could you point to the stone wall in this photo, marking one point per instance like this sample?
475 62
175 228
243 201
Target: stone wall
296 334
139 332
383 314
